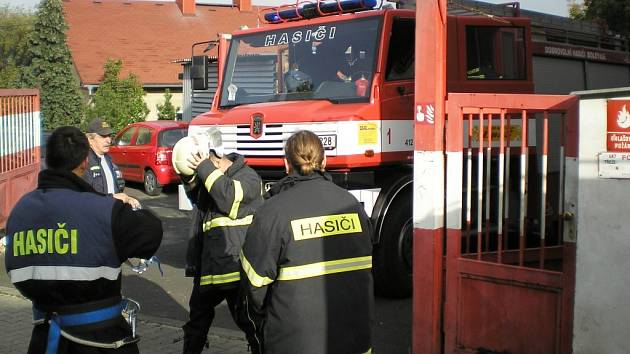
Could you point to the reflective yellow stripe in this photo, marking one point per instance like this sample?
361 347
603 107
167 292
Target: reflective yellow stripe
238 196
253 277
220 278
369 351
224 221
323 268
214 176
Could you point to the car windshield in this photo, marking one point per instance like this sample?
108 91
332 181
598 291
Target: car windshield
168 138
333 62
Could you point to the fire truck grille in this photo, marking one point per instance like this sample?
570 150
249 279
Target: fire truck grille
271 143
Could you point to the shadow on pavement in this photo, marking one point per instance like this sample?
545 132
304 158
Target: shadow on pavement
153 299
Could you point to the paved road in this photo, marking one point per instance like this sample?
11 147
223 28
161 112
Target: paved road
165 299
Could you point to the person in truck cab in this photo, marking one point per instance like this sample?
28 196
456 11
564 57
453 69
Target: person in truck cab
66 244
102 173
350 69
307 259
297 81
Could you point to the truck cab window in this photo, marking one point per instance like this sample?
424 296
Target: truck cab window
333 62
495 53
401 53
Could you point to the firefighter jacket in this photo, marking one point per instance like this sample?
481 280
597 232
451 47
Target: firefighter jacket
65 247
95 176
308 259
225 204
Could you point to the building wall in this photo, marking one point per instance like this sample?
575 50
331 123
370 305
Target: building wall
602 301
154 97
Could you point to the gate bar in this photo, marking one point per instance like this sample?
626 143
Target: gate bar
469 182
480 185
523 188
501 190
508 153
543 189
487 178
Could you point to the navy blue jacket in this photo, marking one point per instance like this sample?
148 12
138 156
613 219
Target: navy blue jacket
65 247
95 177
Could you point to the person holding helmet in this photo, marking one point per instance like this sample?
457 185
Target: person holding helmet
225 192
307 259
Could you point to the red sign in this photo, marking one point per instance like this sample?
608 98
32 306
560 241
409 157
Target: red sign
618 126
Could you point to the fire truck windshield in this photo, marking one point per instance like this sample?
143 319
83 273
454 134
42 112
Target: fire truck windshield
334 61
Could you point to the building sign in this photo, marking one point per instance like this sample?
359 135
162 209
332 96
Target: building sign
618 126
614 165
576 52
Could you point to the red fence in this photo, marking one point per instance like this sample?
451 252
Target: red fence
20 132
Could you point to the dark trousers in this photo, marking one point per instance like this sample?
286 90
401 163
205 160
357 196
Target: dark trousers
202 304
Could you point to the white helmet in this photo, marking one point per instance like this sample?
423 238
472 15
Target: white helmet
190 145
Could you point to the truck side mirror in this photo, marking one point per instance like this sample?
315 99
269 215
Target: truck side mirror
199 72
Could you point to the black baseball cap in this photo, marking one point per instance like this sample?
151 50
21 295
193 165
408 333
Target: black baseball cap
100 127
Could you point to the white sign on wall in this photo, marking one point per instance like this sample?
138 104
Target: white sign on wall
614 164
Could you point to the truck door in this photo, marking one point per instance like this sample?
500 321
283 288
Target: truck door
510 260
397 95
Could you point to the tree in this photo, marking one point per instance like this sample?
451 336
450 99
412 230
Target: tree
167 110
119 101
15 26
613 14
51 68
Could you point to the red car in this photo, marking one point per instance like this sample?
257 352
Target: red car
143 152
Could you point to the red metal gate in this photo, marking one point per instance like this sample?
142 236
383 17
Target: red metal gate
510 262
19 147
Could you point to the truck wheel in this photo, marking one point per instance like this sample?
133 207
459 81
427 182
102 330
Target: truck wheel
393 257
151 184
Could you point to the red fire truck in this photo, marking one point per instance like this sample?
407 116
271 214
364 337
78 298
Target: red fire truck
346 72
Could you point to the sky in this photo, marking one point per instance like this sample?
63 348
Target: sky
554 7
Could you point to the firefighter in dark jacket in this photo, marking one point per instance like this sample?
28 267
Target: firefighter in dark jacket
308 261
65 247
225 192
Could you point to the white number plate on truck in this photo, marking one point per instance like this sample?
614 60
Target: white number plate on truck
329 141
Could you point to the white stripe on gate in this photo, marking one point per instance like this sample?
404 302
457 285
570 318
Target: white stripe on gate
428 186
19 132
454 176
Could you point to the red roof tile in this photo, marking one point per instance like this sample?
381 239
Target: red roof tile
147 36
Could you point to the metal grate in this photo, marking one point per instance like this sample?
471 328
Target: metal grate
237 137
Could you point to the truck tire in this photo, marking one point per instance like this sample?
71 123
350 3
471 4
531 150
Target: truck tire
151 185
393 256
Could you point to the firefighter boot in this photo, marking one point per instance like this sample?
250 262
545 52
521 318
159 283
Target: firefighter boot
194 347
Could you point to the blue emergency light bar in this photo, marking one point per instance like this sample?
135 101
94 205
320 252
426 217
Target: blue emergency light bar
310 10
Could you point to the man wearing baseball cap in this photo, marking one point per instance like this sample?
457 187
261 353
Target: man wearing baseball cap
102 174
